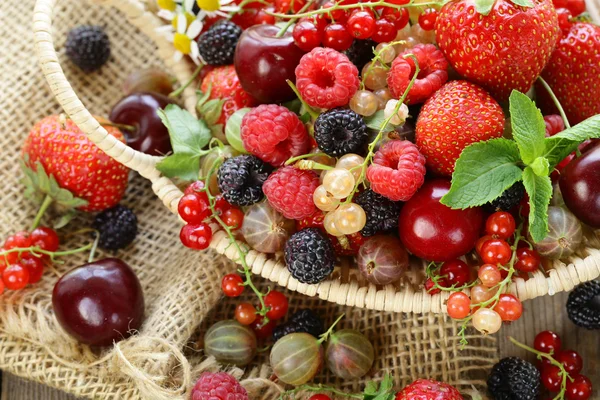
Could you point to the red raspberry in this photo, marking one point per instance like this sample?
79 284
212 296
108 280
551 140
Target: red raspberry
290 191
273 133
218 386
347 245
397 171
554 124
326 78
433 74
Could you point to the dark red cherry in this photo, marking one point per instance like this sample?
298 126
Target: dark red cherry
264 62
99 303
435 232
141 111
580 187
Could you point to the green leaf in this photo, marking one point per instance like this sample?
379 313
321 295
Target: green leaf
293 105
540 166
188 134
305 118
376 120
484 7
523 3
539 189
564 143
183 165
528 126
233 129
483 171
64 219
202 97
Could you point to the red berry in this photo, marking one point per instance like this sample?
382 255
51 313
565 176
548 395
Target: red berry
427 19
431 288
554 122
337 37
285 6
15 277
326 78
456 272
306 35
385 31
290 190
19 239
35 268
221 205
233 218
45 238
277 304
551 378
528 260
195 187
361 24
399 17
433 74
576 6
193 208
338 16
496 251
501 225
262 332
245 313
489 275
459 305
509 307
571 360
579 389
547 342
319 397
480 243
196 237
232 285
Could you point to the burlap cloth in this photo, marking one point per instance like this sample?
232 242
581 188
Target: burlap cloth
181 287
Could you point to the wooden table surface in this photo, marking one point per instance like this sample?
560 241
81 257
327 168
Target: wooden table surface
540 314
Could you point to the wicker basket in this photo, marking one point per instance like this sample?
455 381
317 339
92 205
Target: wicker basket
345 286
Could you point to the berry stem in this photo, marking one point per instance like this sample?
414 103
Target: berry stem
244 3
37 251
325 336
292 160
284 29
429 272
313 114
378 58
123 127
38 217
177 93
556 102
309 164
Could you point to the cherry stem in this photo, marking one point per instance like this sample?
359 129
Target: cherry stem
325 336
303 156
38 217
313 114
284 29
177 93
123 127
556 102
319 388
540 355
94 246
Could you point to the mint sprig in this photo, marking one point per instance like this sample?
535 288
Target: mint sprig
486 169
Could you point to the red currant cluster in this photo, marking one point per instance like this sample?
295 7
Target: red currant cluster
21 257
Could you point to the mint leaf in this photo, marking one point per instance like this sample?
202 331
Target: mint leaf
483 171
385 390
540 166
183 165
539 189
376 120
523 3
528 126
188 134
564 143
233 129
484 7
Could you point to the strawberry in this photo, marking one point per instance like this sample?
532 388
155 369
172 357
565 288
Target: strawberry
503 50
69 158
225 95
457 115
424 389
573 72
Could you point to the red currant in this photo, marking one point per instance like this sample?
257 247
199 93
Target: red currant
34 266
576 6
45 238
196 237
233 218
528 260
578 389
277 304
306 35
262 331
500 225
551 378
193 209
2 263
459 305
480 243
427 19
339 16
385 31
1 286
432 289
399 17
221 205
337 37
509 307
571 360
15 277
399 2
361 24
456 272
262 18
319 397
195 187
547 342
245 313
496 251
489 275
232 285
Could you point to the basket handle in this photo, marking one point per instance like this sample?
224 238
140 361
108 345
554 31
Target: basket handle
144 164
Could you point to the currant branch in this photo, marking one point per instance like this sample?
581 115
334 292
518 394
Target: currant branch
430 270
377 57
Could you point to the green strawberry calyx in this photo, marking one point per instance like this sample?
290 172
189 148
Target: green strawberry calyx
484 7
486 169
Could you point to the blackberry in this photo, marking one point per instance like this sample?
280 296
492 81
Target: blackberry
583 305
217 44
360 52
508 199
241 178
382 213
340 131
309 255
88 47
117 227
303 320
514 379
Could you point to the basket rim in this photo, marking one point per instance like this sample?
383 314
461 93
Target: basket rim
352 293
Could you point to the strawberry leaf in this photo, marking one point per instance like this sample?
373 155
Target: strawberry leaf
39 184
528 127
523 3
233 129
562 144
484 7
183 165
188 134
539 189
385 390
482 172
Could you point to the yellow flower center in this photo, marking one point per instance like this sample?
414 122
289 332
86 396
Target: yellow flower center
189 17
167 4
182 43
208 5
